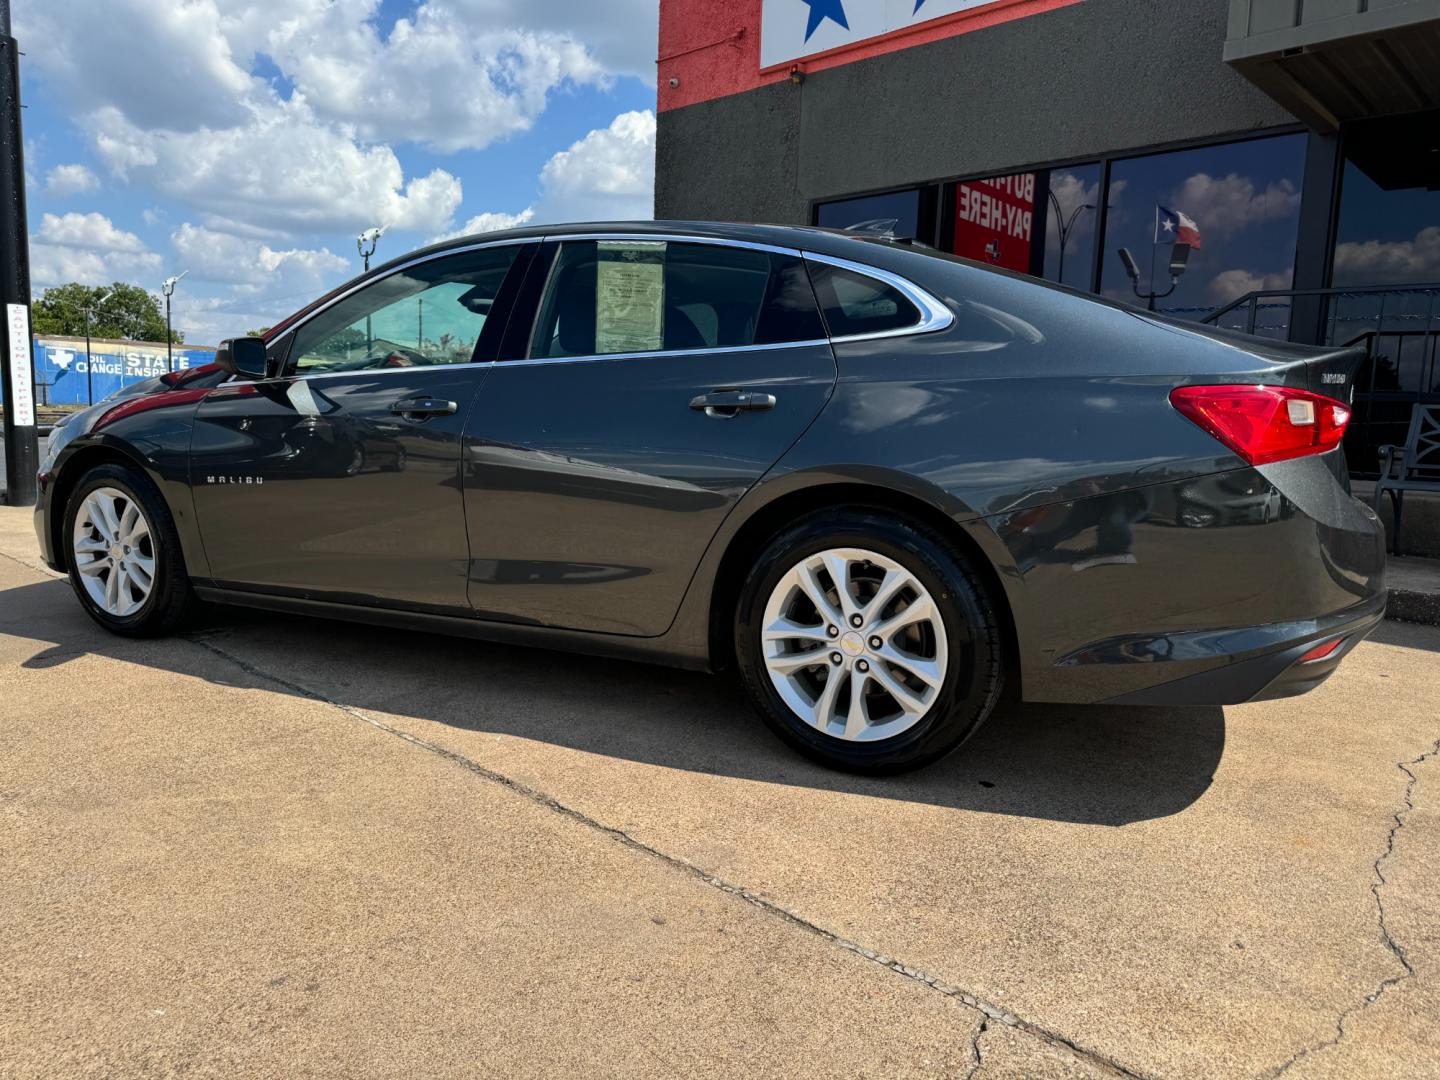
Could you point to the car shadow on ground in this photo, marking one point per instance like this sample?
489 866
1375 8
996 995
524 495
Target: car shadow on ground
1085 764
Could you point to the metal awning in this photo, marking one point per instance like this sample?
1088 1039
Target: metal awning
1330 62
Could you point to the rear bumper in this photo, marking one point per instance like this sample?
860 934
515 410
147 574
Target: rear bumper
1256 670
1136 598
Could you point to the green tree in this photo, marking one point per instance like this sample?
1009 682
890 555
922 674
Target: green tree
119 311
258 332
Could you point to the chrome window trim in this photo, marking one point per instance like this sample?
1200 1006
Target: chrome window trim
367 281
412 370
934 315
537 361
676 238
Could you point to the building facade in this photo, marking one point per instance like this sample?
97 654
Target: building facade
1271 165
74 371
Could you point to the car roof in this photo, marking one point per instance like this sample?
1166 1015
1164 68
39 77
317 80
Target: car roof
822 241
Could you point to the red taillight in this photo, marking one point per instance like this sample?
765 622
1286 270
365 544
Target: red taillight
1322 651
1265 423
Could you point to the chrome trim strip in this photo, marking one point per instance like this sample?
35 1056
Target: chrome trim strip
538 361
934 315
367 372
669 238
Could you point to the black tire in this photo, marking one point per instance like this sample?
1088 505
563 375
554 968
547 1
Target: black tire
171 601
972 681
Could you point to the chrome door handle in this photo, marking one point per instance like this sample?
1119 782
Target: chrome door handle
725 403
421 408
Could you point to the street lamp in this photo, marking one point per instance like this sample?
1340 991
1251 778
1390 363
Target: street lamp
366 243
1179 259
168 288
1065 226
89 374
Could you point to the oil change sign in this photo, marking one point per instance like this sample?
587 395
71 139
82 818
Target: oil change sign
22 388
794 29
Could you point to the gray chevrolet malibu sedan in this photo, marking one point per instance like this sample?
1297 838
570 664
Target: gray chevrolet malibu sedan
879 482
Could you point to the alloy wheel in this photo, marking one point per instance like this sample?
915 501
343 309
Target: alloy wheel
854 644
114 551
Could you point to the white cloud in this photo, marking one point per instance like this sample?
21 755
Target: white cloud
94 232
1232 284
1230 204
219 257
447 81
609 175
1379 261
489 222
281 171
66 180
87 248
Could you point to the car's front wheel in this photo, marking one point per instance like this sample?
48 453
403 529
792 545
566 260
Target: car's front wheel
124 553
867 642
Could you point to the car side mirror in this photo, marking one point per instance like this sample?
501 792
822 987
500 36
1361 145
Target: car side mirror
242 357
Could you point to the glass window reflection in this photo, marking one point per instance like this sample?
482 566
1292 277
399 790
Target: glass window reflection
895 213
1238 204
1386 237
1071 204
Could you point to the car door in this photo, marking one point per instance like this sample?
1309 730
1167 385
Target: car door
339 479
663 378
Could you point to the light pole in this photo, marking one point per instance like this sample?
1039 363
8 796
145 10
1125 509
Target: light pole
168 288
89 376
366 243
17 379
1065 226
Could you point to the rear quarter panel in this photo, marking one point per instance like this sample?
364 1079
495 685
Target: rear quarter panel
1040 423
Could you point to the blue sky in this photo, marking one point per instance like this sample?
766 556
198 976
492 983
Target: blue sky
248 141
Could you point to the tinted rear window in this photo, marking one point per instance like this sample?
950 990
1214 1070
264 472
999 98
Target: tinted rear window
858 304
620 296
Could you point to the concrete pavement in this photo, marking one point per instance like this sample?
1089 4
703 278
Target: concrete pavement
284 847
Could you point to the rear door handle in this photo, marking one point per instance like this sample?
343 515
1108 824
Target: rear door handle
721 403
423 407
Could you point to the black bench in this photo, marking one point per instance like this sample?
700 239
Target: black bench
1413 467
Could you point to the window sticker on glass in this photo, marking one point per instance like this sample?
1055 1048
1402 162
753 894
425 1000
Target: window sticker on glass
629 297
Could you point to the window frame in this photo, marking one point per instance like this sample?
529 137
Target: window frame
280 347
943 186
934 314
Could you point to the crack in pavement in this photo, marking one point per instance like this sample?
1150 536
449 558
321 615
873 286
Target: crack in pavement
1386 938
770 907
975 1049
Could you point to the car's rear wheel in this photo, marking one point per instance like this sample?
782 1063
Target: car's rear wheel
868 642
124 554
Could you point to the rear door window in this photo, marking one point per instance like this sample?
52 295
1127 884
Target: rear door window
856 303
625 297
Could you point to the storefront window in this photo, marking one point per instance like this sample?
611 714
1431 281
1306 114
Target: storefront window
1238 206
995 222
895 213
1386 237
1071 204
998 219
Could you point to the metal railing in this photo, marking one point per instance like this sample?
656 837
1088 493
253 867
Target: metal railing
1399 328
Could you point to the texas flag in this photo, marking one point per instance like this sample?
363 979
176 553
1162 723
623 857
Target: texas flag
1173 227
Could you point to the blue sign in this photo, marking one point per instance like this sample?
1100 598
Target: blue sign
63 376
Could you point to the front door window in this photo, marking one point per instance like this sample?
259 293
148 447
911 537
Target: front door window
426 315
